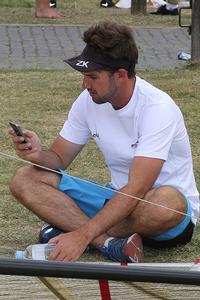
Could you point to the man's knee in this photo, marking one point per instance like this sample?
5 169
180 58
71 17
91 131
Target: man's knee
18 180
166 209
27 178
168 197
171 205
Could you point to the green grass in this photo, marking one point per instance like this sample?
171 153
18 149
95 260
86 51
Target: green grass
81 12
17 3
40 100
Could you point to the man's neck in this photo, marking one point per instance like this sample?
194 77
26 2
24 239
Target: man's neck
125 94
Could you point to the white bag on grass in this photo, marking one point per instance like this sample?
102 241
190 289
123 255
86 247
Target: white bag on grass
123 4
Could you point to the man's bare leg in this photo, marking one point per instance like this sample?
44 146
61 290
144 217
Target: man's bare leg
37 190
149 219
43 10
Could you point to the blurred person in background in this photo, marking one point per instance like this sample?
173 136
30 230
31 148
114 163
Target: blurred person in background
43 10
169 7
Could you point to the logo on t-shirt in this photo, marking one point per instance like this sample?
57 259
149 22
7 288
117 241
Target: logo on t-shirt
134 145
95 135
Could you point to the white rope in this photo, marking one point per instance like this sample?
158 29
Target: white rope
92 183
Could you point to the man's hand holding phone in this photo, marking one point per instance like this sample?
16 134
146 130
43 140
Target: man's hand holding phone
26 142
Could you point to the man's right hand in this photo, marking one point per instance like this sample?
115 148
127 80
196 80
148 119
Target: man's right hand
29 151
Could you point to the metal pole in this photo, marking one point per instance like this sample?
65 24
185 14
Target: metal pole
167 265
96 272
138 7
195 40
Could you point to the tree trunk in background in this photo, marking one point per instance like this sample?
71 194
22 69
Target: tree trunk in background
195 40
138 7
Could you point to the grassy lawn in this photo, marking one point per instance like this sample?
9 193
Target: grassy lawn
82 12
40 100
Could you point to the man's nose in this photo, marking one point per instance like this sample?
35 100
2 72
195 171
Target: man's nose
86 84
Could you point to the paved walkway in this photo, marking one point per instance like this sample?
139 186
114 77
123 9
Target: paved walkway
45 46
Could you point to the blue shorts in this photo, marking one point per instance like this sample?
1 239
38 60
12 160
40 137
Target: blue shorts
91 198
88 195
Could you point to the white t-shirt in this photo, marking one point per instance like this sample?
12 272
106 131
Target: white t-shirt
150 125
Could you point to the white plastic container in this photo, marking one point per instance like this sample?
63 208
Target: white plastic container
36 252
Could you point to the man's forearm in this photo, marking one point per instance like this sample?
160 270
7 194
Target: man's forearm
49 159
116 210
142 175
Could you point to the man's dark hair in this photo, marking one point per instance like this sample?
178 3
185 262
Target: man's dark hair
114 40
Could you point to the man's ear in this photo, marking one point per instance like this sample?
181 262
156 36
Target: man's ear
122 74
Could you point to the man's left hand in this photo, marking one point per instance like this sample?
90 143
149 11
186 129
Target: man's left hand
69 246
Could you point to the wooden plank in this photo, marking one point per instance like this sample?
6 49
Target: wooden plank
57 287
23 288
30 288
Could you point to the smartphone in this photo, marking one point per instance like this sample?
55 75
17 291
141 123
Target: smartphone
18 130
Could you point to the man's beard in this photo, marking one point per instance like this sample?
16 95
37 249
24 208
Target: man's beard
100 100
108 97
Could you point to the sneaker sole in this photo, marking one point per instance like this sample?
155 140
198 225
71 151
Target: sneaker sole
134 249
